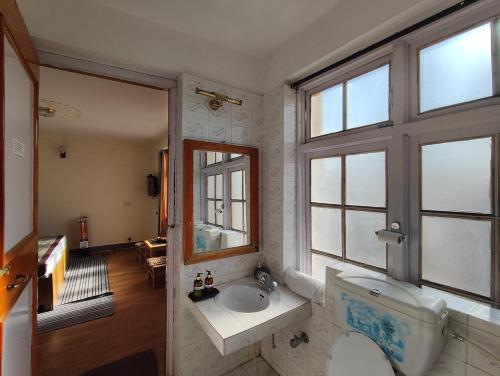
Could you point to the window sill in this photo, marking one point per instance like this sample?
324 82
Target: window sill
463 310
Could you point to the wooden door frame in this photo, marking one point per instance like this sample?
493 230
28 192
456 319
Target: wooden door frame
22 257
163 210
108 72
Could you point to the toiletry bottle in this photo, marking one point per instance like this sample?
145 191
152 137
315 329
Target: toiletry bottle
209 282
198 286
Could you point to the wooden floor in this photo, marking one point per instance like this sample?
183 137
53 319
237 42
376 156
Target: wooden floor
137 325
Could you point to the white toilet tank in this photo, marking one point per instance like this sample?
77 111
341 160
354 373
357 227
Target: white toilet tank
405 324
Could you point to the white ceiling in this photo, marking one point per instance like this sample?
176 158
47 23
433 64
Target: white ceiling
108 108
249 44
254 27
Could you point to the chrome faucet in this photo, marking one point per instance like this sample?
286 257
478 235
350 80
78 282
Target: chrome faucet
265 280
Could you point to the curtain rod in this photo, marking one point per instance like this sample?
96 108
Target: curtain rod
446 12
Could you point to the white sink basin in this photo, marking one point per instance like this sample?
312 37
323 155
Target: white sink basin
243 298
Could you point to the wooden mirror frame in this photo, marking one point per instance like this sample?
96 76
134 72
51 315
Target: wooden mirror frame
190 146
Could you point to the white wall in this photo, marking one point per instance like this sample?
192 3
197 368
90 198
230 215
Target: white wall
133 43
347 28
102 178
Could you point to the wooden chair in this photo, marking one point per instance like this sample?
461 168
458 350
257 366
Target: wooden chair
157 268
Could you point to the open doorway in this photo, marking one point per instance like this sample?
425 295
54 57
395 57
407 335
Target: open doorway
103 178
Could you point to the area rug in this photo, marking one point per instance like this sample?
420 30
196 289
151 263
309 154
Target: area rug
140 364
85 295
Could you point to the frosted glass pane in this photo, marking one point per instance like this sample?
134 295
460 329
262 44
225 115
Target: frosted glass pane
368 98
211 186
456 176
457 252
211 211
326 111
326 180
362 244
210 158
326 230
237 216
237 185
457 69
365 179
218 157
234 156
219 216
319 264
218 186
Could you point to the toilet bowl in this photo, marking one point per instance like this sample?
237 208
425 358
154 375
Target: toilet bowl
354 354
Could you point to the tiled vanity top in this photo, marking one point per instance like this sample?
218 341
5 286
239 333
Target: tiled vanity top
231 331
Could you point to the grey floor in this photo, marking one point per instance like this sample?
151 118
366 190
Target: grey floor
248 369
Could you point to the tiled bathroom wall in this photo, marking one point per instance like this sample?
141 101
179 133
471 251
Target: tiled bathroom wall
457 359
279 181
196 355
480 322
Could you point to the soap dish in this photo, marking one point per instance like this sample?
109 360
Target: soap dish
205 295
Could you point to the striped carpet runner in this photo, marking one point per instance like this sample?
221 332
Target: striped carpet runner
86 277
85 295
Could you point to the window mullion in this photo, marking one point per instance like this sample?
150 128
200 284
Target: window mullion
495 48
344 105
343 202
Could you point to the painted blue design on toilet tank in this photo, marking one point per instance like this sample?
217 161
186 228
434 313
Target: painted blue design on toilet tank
389 333
200 243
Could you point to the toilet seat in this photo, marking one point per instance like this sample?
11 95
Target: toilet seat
354 354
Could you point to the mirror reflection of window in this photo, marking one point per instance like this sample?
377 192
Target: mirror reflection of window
221 207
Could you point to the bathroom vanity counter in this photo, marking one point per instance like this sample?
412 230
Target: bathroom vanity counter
230 330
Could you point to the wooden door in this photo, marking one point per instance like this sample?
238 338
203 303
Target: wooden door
18 193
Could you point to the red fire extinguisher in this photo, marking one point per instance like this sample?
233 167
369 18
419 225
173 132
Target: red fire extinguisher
84 235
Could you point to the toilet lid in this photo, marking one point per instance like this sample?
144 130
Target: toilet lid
354 354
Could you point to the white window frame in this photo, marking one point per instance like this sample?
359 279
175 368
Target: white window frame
225 168
409 129
338 152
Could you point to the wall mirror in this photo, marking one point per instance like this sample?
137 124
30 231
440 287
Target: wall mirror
220 200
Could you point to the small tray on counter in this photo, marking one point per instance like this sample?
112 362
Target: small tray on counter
205 295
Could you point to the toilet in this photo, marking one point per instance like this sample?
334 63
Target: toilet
387 325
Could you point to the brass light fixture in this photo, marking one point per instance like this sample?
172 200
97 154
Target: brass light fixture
50 108
217 99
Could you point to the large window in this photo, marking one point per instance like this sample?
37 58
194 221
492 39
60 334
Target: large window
457 214
425 154
457 69
347 205
354 103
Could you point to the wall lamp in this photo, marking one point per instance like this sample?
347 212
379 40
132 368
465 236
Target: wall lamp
217 99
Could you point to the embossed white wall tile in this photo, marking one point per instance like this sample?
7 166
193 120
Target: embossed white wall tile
219 132
242 136
190 83
195 128
477 358
192 360
447 365
289 114
471 371
237 358
221 116
195 108
454 347
297 367
320 328
241 117
486 318
257 119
